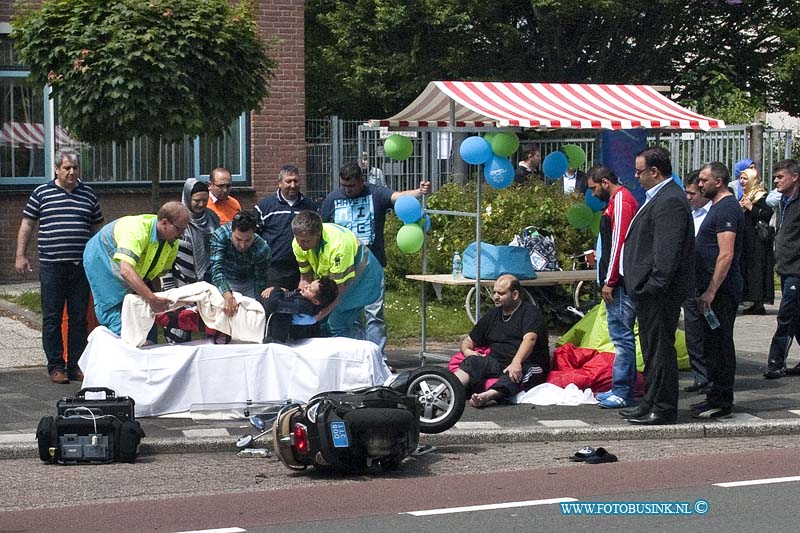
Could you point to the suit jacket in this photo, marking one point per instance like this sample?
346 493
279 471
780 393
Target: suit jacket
581 182
658 259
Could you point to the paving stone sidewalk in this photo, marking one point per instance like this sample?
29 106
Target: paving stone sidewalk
762 406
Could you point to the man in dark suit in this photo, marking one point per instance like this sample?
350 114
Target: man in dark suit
528 168
658 264
574 180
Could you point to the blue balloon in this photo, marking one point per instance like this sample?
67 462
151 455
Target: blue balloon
499 172
408 209
475 150
425 223
594 203
555 165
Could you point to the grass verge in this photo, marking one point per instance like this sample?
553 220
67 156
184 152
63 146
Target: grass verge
30 300
403 314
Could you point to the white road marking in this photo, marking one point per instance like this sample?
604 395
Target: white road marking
17 437
210 432
740 417
565 423
477 425
795 411
489 507
220 530
757 482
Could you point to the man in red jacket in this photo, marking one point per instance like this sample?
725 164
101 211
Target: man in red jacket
614 223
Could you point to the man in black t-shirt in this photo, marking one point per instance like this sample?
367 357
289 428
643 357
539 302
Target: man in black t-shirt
516 333
717 249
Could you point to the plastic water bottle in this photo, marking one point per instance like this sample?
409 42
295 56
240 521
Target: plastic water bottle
457 266
711 318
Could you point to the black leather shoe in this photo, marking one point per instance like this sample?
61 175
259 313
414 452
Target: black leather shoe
775 373
794 371
653 419
633 412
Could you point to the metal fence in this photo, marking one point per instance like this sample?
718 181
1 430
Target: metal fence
331 142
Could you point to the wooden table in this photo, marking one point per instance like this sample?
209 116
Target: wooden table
543 279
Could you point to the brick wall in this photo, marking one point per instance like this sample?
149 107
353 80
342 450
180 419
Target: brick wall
6 10
277 134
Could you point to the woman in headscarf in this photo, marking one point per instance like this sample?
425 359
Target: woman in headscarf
193 263
758 257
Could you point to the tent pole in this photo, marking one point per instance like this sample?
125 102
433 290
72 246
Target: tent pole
478 251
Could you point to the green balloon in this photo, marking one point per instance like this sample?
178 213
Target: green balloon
398 147
579 216
595 225
505 143
576 157
410 238
489 136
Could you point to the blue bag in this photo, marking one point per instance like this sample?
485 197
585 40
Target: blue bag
498 260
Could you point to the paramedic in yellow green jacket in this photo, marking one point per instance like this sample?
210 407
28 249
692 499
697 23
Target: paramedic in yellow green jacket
334 251
127 255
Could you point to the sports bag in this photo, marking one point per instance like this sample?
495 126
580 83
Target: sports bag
541 246
496 261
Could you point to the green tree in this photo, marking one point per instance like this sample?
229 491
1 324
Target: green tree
163 68
369 58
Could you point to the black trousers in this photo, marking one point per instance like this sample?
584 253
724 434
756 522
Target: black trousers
658 320
693 321
788 323
720 352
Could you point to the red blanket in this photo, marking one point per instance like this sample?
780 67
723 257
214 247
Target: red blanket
585 367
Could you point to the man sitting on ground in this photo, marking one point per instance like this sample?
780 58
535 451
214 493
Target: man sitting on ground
516 333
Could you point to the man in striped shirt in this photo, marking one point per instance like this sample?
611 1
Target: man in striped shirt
67 212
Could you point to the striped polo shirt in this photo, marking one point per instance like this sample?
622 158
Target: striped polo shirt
65 220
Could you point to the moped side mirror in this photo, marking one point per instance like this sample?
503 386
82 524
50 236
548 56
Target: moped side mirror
246 441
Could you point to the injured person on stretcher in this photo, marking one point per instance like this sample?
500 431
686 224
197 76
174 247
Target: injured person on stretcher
175 379
290 315
281 316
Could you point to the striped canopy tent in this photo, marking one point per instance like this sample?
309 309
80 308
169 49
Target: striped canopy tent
31 135
472 106
476 105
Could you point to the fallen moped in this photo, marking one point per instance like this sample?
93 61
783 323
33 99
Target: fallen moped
354 430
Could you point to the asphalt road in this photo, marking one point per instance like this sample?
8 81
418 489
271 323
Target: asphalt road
202 491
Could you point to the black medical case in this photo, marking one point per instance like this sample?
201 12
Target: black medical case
90 431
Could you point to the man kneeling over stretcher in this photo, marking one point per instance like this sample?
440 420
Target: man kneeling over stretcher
516 333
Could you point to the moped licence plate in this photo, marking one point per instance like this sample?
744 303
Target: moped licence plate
339 435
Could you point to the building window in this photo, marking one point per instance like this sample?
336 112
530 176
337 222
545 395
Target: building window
30 133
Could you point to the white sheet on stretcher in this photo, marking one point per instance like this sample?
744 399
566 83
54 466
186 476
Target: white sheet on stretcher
165 379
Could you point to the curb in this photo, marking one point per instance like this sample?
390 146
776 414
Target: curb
19 311
178 445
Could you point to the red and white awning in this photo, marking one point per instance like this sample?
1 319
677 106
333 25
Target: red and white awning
544 106
31 135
